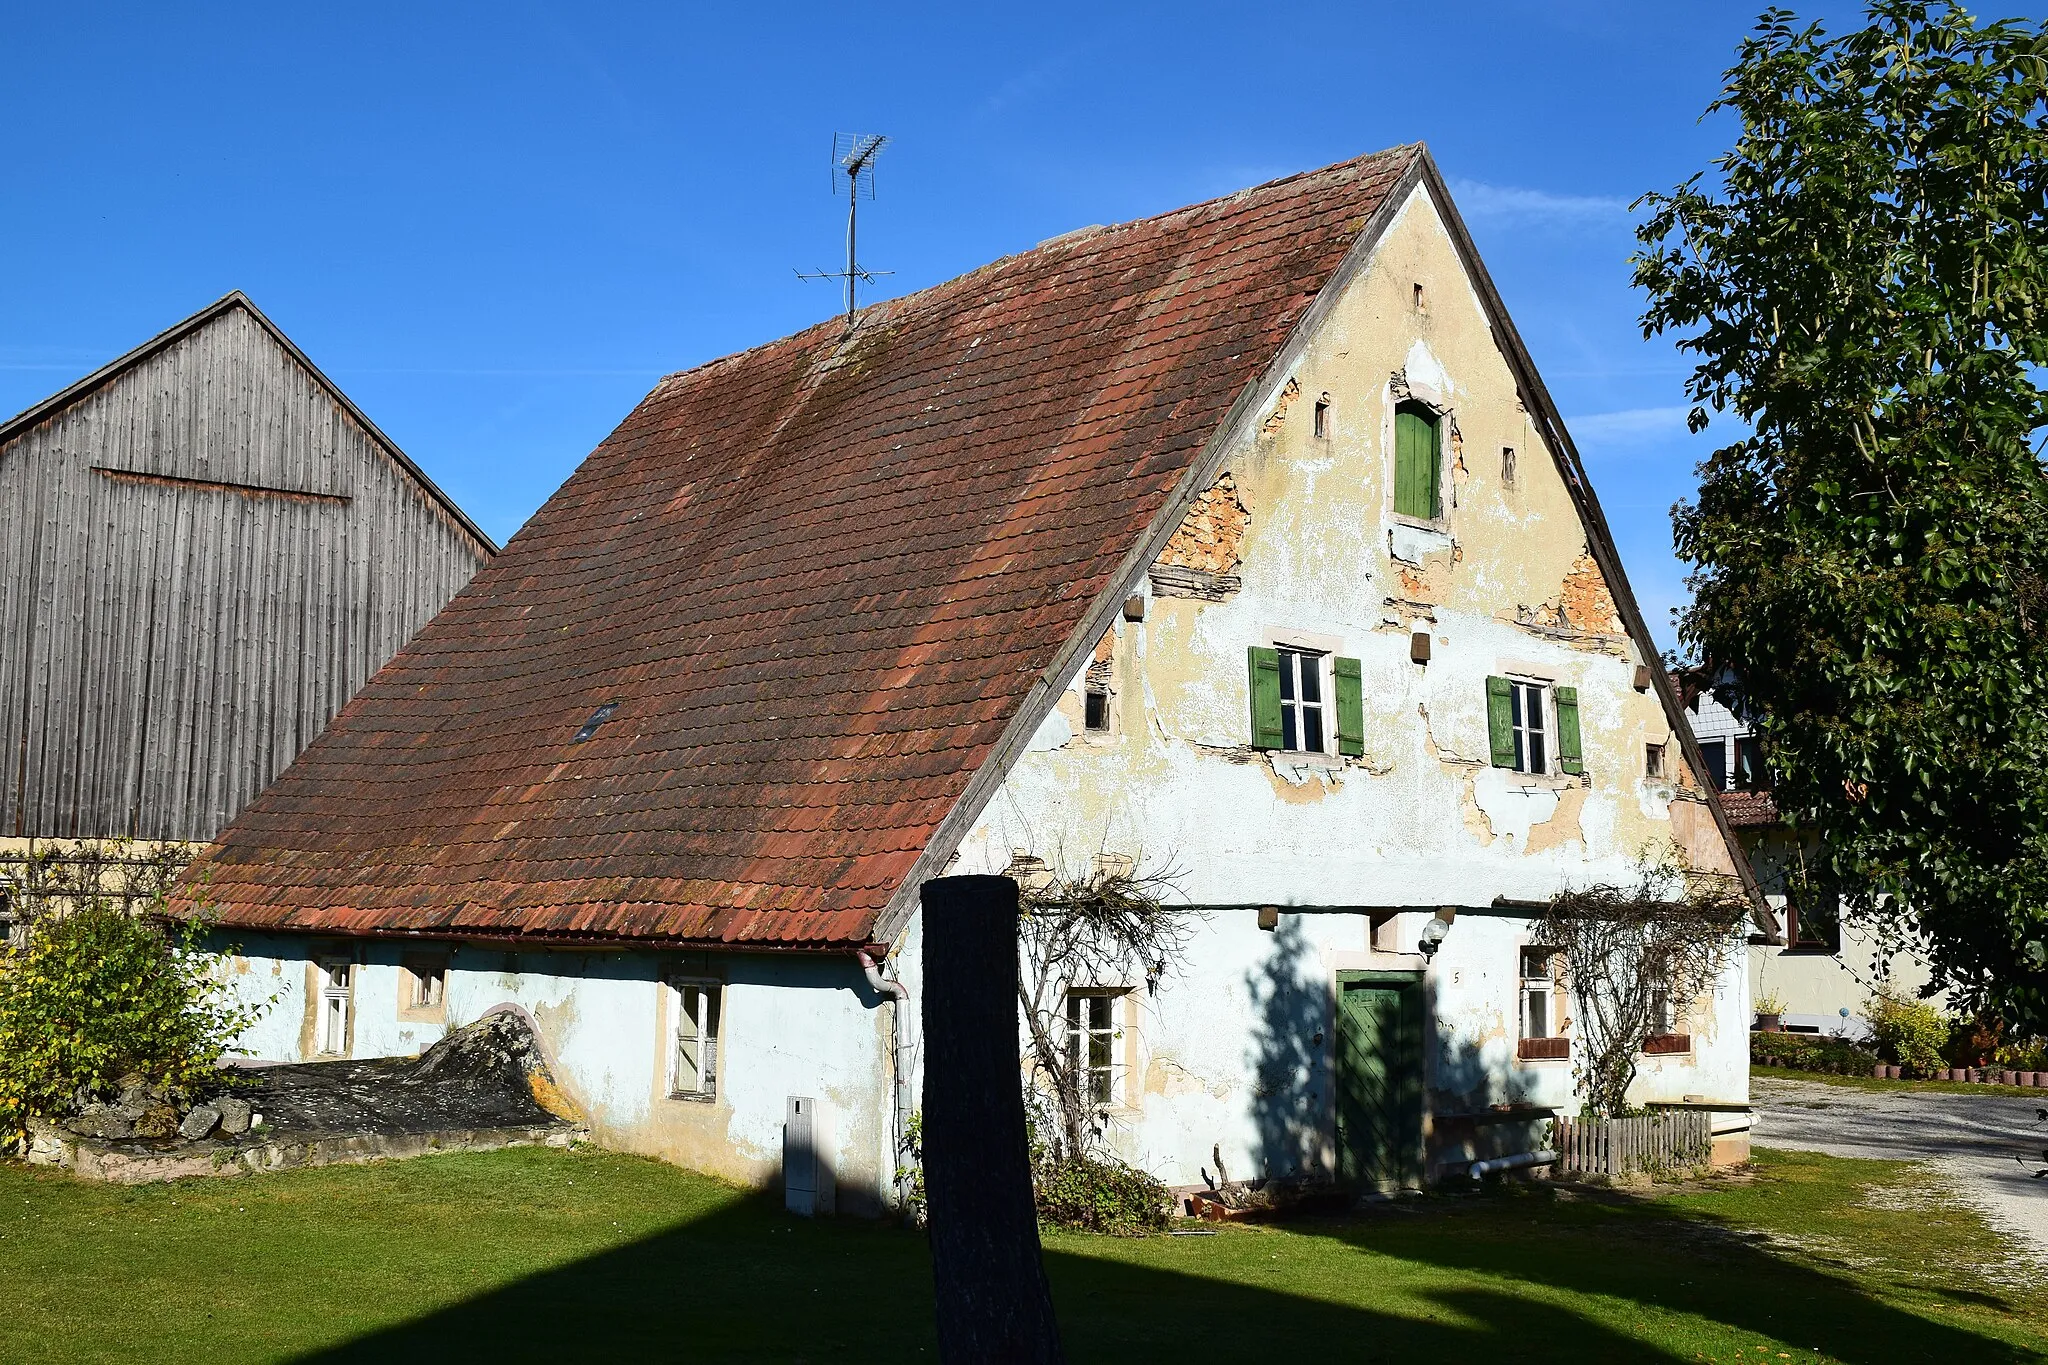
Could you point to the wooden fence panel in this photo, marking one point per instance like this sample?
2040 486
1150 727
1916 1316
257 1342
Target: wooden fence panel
1648 1144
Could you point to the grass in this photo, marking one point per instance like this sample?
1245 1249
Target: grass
535 1254
1781 1073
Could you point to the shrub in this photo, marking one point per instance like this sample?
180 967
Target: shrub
2030 1055
97 997
1091 1195
1909 1032
1810 1052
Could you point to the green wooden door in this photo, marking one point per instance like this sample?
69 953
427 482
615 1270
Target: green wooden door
1379 1079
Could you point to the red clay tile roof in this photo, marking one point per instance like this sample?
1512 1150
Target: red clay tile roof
818 578
1749 810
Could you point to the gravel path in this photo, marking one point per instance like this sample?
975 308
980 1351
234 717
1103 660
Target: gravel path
1969 1139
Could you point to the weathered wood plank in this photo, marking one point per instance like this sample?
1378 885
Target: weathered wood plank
172 642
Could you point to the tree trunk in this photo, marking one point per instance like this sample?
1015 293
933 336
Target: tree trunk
993 1303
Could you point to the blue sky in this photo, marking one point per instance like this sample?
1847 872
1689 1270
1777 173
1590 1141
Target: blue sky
496 226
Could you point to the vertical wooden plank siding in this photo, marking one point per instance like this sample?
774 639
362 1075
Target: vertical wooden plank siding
169 648
1669 1140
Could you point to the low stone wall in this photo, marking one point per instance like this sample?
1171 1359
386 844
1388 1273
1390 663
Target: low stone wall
483 1086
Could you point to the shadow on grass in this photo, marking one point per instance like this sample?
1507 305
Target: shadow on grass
748 1282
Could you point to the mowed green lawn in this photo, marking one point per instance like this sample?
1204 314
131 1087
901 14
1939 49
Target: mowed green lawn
545 1255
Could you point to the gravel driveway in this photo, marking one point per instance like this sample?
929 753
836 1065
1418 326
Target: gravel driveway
1970 1139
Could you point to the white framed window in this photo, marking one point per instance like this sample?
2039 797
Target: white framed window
1302 706
1539 994
695 1008
1095 1026
1529 716
336 1000
424 984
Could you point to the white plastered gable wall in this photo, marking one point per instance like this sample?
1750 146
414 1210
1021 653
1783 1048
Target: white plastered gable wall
1235 1051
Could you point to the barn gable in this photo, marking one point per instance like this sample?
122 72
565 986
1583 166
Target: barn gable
205 550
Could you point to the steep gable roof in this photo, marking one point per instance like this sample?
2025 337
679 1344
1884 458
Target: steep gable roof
815 583
57 402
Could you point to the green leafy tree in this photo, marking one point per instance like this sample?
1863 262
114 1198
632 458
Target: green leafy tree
99 995
1864 285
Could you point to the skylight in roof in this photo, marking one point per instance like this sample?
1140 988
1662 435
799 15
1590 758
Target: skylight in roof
597 718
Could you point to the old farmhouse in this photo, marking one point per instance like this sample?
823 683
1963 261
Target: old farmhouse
205 549
1244 539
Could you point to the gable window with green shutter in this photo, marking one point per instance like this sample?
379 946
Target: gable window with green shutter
1418 462
1302 698
1533 726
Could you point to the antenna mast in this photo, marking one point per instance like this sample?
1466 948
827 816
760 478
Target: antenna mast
853 154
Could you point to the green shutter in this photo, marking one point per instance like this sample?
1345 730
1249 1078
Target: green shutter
1350 709
1265 675
1500 722
1570 756
1416 461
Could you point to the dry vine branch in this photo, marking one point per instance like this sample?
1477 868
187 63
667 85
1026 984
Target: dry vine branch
1102 927
1626 950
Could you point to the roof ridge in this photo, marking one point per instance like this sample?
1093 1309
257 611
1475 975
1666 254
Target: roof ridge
1092 233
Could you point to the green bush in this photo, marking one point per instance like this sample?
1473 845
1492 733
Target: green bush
1909 1032
1088 1195
99 996
1810 1052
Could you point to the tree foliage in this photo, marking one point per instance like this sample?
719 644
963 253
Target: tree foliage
1627 951
1865 288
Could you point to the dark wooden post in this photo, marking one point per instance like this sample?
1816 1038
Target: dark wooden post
993 1301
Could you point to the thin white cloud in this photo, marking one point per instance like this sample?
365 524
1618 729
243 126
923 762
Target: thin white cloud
1630 424
1510 203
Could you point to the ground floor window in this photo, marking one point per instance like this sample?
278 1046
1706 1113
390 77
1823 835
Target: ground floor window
424 985
334 1005
1542 1022
1094 1028
693 1055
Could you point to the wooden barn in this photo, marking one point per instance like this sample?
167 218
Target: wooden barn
205 550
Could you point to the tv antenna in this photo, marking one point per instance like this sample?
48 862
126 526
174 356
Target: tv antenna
853 155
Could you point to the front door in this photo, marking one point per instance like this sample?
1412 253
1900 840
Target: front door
1379 1079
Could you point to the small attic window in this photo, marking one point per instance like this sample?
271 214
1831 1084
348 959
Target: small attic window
1096 714
1507 466
1323 415
1421 306
597 718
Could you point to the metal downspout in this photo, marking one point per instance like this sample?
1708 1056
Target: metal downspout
898 996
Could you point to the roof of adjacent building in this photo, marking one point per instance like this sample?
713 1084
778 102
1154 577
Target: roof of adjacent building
58 402
727 684
1749 809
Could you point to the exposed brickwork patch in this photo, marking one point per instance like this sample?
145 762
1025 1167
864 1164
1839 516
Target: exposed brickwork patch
1212 536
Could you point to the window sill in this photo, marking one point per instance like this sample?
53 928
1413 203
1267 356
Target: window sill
1306 759
1668 1045
1543 1050
693 1098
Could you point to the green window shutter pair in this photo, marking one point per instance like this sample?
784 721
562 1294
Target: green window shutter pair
1417 459
1500 726
1267 733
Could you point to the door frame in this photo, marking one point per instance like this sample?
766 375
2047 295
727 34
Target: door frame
1415 979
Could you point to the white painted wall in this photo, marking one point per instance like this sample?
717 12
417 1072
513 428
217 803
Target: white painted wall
791 1026
1423 819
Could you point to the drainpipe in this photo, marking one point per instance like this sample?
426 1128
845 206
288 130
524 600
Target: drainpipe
1479 1170
899 1002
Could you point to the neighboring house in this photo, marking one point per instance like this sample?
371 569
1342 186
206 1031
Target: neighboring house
205 549
1242 541
1821 970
